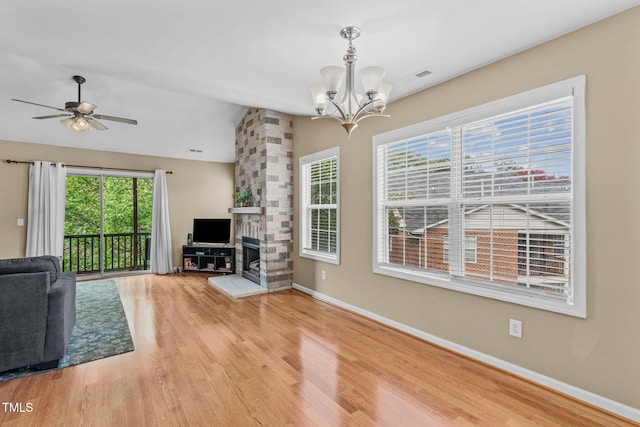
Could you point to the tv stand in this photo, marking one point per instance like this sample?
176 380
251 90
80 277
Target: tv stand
209 258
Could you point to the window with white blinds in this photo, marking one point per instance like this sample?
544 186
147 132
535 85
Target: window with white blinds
319 206
490 200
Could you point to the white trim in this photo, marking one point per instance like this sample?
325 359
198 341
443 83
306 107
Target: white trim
320 256
579 234
107 172
495 108
475 287
328 154
559 386
320 155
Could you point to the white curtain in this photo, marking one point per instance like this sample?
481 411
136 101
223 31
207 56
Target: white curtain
45 217
161 252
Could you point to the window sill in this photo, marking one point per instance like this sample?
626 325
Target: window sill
446 282
321 256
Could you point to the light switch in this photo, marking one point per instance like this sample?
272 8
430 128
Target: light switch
20 222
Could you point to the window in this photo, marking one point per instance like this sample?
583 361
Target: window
320 216
107 221
541 255
489 201
470 247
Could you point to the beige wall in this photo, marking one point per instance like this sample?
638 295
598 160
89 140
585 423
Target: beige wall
601 353
196 189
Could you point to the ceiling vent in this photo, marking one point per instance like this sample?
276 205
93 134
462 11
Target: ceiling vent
418 74
422 73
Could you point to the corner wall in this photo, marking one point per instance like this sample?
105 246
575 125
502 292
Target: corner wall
598 354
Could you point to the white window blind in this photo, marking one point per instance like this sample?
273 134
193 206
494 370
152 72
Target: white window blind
485 201
319 225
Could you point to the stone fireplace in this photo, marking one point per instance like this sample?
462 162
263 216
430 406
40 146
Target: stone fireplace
264 163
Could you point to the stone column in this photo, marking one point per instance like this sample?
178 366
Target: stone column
264 162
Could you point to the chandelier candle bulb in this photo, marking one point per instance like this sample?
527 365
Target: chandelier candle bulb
352 107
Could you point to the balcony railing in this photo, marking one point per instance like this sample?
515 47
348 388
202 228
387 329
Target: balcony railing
122 252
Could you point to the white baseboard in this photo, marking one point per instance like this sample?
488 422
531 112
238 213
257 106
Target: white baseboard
578 393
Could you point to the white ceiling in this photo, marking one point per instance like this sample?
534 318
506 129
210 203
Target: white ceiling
187 70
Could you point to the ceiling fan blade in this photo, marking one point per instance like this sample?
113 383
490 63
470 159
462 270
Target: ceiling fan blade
86 108
96 124
51 117
115 119
40 105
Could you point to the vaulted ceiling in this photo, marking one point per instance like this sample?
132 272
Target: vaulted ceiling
188 70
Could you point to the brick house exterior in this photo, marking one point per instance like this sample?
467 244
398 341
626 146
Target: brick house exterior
520 246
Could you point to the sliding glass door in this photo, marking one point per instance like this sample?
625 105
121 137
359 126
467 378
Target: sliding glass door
107 223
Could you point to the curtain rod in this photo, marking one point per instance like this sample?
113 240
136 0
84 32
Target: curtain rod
89 167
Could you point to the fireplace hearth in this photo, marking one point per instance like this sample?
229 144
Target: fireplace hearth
251 259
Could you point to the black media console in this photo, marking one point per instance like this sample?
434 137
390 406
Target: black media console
209 258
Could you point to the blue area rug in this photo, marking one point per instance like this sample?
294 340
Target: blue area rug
101 328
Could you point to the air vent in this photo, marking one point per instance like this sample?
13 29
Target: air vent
423 73
416 74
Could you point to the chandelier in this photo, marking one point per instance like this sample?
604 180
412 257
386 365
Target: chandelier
351 107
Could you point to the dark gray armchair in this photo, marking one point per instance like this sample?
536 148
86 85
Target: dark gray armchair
37 312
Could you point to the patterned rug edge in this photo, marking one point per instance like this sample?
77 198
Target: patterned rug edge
100 332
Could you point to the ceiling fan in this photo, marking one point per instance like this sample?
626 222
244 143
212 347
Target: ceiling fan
80 115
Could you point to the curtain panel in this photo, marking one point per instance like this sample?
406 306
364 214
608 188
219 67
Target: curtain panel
45 216
161 250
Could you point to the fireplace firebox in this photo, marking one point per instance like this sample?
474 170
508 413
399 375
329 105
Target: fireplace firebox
251 259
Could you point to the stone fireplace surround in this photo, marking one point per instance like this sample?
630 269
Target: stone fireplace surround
264 163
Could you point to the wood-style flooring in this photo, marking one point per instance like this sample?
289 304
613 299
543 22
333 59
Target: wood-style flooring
283 359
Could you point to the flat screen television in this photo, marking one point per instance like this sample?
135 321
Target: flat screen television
211 230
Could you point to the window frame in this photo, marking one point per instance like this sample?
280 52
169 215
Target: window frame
574 306
305 205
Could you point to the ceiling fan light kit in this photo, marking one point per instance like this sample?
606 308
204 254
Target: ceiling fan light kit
79 115
352 107
78 124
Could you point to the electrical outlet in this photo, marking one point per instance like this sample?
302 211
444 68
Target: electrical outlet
324 275
515 328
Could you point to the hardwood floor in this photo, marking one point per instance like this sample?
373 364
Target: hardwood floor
282 359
